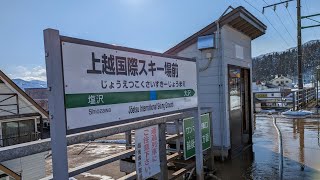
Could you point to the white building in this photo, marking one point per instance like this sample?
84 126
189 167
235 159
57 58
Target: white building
20 117
225 77
282 81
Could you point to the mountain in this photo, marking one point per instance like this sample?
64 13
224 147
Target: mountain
30 84
266 66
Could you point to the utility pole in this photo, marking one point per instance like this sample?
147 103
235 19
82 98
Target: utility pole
300 82
299 41
317 80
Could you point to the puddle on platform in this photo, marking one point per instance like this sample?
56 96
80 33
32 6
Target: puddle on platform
301 150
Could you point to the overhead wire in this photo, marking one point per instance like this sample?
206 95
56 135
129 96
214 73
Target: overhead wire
281 22
308 11
314 32
294 23
269 22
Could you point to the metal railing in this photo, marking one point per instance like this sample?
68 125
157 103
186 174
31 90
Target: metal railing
284 100
25 149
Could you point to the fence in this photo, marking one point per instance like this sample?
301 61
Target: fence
282 100
21 150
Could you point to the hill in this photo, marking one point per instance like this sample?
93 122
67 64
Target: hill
30 84
267 65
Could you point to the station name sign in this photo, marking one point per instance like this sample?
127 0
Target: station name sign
105 83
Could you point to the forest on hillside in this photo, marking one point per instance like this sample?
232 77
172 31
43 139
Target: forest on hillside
266 66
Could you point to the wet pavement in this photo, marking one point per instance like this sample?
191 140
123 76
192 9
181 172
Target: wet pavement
301 151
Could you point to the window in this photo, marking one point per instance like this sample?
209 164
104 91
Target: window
272 94
277 82
239 52
17 132
235 88
287 81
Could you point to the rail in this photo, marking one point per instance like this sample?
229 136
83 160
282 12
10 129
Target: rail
29 148
280 147
283 100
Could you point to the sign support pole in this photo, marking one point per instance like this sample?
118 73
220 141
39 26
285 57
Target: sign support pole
211 159
163 152
56 98
198 134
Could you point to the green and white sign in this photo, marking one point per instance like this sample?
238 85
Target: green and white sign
189 135
107 83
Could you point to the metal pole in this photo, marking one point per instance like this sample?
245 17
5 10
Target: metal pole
317 94
198 134
294 100
18 108
211 159
317 80
178 149
300 78
128 140
163 152
41 127
56 104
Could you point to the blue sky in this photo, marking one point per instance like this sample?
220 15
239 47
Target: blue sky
154 25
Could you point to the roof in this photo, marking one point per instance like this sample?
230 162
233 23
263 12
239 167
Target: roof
281 77
37 93
23 94
238 18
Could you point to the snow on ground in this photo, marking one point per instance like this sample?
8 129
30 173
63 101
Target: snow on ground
101 177
297 113
99 149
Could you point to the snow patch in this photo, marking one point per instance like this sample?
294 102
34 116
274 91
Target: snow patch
297 113
29 84
101 177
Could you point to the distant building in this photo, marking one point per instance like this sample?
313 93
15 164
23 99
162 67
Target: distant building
281 81
39 95
20 120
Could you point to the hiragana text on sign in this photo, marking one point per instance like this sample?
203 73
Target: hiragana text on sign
139 84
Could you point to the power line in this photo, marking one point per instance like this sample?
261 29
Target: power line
269 22
294 23
281 22
307 7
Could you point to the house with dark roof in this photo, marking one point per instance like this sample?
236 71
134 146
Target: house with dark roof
226 75
21 120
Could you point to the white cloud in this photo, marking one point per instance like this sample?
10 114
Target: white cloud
35 73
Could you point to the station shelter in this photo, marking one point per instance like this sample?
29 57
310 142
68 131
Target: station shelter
225 75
